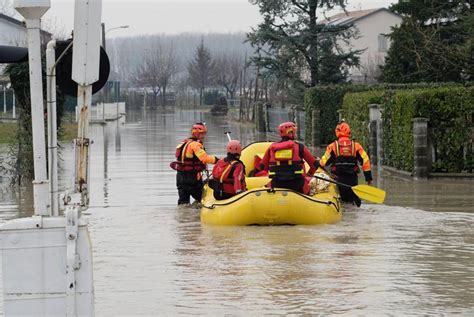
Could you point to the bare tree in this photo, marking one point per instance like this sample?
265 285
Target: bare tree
55 27
167 68
227 72
200 69
146 74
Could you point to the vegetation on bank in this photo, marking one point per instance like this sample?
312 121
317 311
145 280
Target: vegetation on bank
67 132
21 157
8 132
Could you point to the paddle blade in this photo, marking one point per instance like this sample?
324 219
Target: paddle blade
369 193
256 182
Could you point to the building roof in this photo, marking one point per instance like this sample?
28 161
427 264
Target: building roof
352 16
11 20
21 23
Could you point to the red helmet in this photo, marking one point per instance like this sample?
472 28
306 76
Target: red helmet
234 147
199 130
287 129
343 130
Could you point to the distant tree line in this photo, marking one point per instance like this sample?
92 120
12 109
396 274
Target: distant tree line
161 69
164 63
293 49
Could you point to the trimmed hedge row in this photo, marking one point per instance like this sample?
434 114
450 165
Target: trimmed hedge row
450 111
398 112
328 100
355 109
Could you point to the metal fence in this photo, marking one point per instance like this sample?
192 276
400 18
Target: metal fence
106 111
277 115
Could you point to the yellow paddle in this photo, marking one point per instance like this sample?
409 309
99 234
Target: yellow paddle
365 192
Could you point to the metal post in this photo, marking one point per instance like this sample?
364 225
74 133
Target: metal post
297 122
340 115
315 128
103 36
14 105
52 127
84 96
4 99
420 148
267 116
106 87
260 117
40 183
374 120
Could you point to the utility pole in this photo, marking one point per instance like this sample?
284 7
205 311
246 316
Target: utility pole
103 36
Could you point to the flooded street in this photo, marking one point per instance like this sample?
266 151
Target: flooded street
412 256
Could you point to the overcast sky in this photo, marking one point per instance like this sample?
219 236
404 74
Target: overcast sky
177 16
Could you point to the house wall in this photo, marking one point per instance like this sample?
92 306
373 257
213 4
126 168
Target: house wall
370 28
12 34
15 34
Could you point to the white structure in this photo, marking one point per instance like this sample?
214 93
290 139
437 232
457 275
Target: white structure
46 259
12 31
373 27
102 112
38 256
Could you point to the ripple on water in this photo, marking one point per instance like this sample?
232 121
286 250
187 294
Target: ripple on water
152 258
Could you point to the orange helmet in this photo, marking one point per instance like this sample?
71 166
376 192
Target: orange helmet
343 130
234 147
287 129
199 130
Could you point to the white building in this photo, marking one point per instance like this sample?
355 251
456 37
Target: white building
373 27
13 33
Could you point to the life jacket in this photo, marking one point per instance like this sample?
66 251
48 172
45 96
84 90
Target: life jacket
256 172
345 161
187 164
286 160
223 176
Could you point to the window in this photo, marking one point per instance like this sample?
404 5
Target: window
382 43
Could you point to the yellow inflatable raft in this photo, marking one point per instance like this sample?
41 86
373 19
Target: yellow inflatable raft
265 206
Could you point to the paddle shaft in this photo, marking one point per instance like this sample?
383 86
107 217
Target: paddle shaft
333 181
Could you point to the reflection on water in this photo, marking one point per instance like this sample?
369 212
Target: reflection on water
152 258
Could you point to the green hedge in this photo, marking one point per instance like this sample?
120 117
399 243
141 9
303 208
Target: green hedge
328 99
397 115
355 111
450 112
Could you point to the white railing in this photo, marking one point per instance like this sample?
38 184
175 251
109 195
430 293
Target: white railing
106 111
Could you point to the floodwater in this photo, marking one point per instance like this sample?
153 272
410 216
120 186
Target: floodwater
412 256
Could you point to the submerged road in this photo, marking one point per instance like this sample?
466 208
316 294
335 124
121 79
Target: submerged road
412 256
